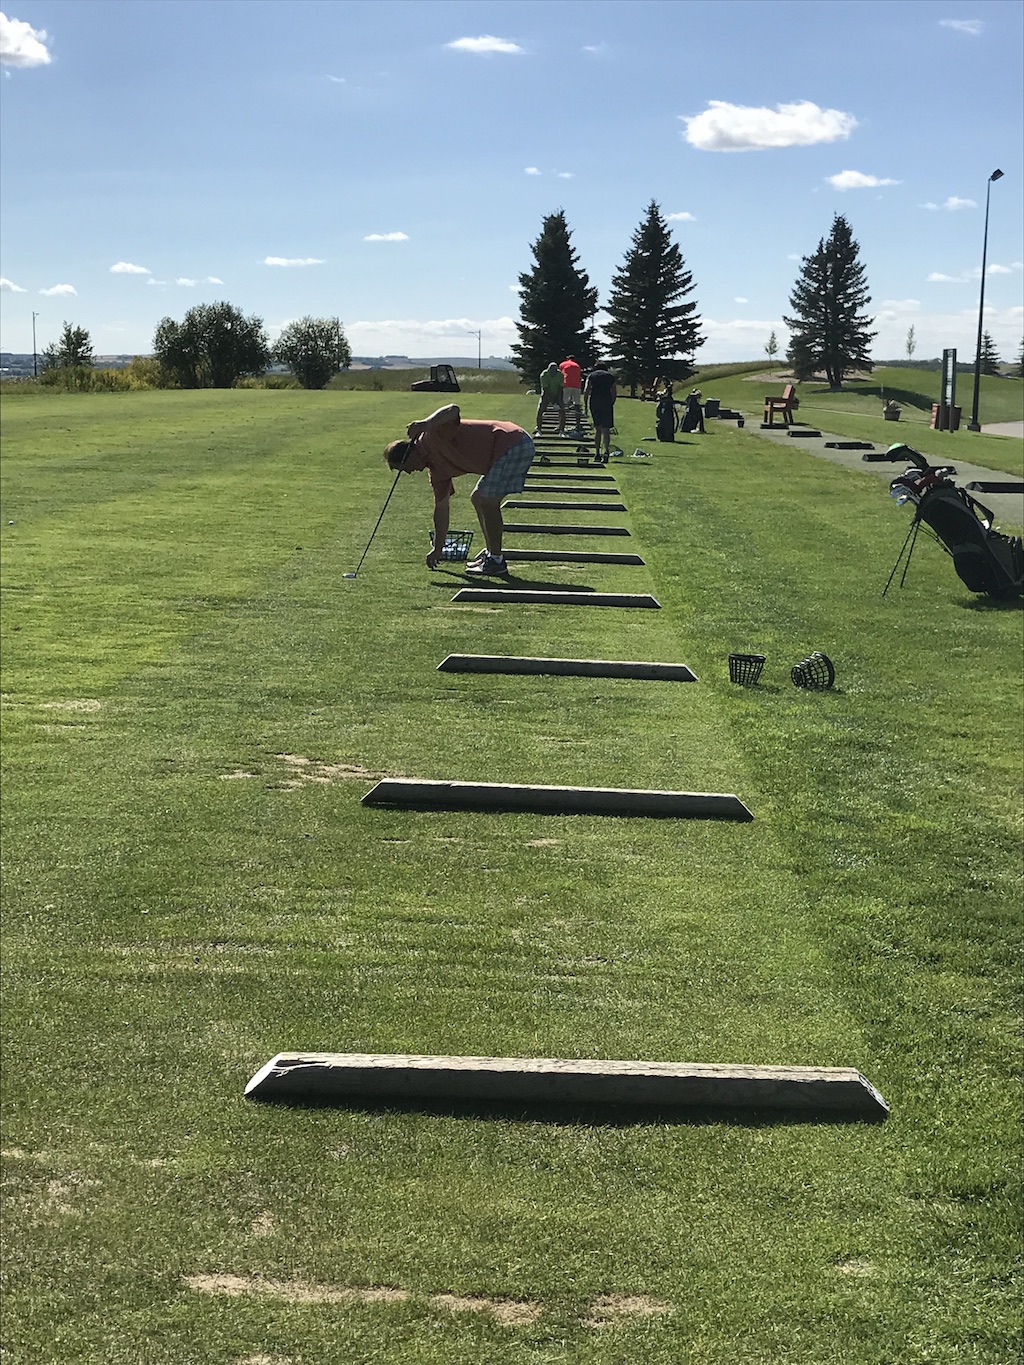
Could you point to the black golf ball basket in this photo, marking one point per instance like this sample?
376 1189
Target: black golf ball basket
815 672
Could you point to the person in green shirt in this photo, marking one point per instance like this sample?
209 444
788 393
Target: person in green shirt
552 382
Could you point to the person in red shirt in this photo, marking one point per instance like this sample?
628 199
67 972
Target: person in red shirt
447 446
571 396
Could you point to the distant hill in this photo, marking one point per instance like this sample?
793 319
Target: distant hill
14 363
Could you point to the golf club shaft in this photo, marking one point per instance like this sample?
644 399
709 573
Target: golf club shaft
379 520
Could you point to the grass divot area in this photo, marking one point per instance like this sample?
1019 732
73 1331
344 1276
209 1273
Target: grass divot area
195 702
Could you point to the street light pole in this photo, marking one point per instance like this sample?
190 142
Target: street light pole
479 344
35 367
974 424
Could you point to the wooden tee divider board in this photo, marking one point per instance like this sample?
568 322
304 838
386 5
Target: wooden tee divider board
338 1077
556 529
430 794
557 599
571 668
574 556
581 477
521 504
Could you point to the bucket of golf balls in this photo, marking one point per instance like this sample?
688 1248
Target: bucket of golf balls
456 544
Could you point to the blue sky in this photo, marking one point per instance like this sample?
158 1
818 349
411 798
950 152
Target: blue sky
390 163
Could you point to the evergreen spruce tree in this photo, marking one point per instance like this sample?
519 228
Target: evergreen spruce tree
651 332
989 355
557 305
829 329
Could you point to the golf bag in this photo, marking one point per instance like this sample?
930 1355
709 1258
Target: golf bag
665 418
986 560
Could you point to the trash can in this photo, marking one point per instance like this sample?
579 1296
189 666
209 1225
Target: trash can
711 406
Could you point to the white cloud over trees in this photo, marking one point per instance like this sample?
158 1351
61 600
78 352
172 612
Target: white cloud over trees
724 127
857 180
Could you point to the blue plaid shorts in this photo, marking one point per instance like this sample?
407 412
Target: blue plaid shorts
508 474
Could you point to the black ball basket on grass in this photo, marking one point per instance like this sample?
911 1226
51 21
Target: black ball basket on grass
745 668
456 544
815 672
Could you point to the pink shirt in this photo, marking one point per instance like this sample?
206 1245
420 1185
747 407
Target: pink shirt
573 374
465 447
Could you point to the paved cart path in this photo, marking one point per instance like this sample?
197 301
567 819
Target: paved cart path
1008 508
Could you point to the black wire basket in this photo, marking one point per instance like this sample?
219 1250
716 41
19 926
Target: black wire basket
815 672
745 668
456 544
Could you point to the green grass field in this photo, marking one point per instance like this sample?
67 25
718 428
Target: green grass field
194 702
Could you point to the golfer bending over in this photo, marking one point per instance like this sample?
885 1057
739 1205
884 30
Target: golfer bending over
447 447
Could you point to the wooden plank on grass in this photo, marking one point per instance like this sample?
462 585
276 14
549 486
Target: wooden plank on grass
510 796
832 1092
570 668
534 503
555 529
557 599
582 477
573 489
574 556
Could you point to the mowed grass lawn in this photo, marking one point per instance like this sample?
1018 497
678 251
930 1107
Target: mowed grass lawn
194 702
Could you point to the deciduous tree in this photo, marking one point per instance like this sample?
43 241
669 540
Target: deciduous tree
650 330
212 347
314 349
828 330
771 350
911 342
557 304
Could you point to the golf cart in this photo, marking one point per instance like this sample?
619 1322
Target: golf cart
442 380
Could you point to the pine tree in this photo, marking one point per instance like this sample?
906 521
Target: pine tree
829 330
651 332
1020 360
911 342
72 351
989 355
557 305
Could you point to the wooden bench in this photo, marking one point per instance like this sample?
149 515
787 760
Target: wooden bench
786 405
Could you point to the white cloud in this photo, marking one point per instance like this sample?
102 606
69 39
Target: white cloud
191 284
857 180
387 237
953 203
413 337
59 289
738 299
971 26
793 256
515 288
596 49
566 175
291 260
338 80
532 170
11 286
933 207
936 277
727 127
21 44
485 45
126 268
680 217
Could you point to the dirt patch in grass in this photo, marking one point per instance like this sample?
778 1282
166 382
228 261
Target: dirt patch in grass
509 1312
855 1267
542 843
300 771
74 704
609 1309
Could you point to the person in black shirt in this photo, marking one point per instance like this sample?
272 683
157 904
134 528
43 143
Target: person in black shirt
600 394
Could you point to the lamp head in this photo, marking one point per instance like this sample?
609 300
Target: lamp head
996 175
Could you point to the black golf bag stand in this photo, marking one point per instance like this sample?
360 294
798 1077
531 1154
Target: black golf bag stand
985 560
665 418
